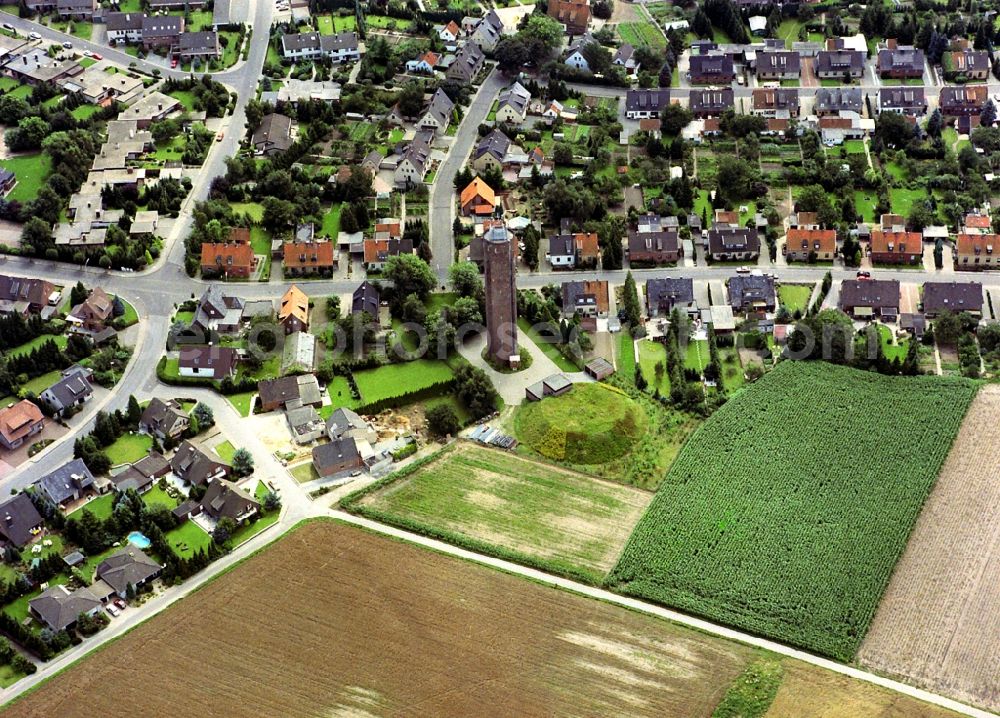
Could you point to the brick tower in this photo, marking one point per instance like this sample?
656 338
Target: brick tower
501 297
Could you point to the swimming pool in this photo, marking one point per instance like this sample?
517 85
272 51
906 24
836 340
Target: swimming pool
139 539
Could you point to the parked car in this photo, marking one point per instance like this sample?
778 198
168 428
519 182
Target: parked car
68 45
113 611
88 53
8 27
864 275
97 57
173 62
743 270
219 137
34 36
120 603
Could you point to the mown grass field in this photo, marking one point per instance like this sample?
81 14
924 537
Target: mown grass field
592 424
557 517
794 297
787 510
403 378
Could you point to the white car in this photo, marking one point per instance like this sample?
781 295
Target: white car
34 36
113 611
88 53
68 45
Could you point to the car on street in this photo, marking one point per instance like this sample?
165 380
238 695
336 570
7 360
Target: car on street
35 36
219 137
173 62
68 45
88 53
743 270
864 275
8 27
97 57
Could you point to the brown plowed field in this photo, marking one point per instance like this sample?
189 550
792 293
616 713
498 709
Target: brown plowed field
334 621
938 624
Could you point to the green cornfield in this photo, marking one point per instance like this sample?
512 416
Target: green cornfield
787 510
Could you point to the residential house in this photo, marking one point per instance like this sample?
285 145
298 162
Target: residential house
963 100
77 9
664 295
804 220
339 47
487 31
199 46
901 62
834 100
478 199
24 296
976 251
128 568
896 247
625 58
849 126
838 64
953 297
71 391
575 56
309 259
645 104
224 499
588 298
490 152
161 31
305 424
218 311
94 313
346 424
870 298
176 4
7 181
654 242
779 65
124 27
977 224
164 419
579 250
191 464
728 244
810 245
338 456
20 521
782 102
512 104
59 608
273 135
141 475
227 260
365 299
70 482
414 162
437 115
298 353
378 251
965 65
208 362
289 392
468 62
424 63
574 14
710 103
19 423
751 293
904 99
293 312
448 33
713 68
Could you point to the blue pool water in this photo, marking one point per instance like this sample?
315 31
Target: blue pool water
139 539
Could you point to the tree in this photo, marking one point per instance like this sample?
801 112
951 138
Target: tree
632 313
544 32
37 235
242 462
203 413
411 99
78 294
272 502
512 53
409 275
441 420
224 530
947 328
531 239
988 115
935 123
134 411
465 279
333 307
476 392
413 310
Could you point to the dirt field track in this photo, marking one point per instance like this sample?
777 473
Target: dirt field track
938 624
334 621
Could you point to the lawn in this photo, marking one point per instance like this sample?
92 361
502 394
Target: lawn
187 538
9 676
795 297
548 348
650 354
156 495
340 393
101 507
788 31
902 200
560 520
57 547
592 424
304 472
131 316
641 34
732 369
388 23
186 98
59 339
398 380
260 240
225 451
248 531
331 222
696 355
892 350
626 356
242 402
84 112
254 211
793 539
865 201
129 448
31 172
854 147
40 383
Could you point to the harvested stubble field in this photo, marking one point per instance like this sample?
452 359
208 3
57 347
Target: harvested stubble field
938 624
557 516
786 512
334 621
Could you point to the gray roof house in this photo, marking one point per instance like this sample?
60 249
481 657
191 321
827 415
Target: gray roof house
20 521
274 134
305 424
710 103
751 292
491 150
365 299
837 63
224 499
663 295
468 62
645 104
67 483
904 99
345 423
299 353
437 114
128 567
903 61
59 608
73 389
194 466
164 419
832 100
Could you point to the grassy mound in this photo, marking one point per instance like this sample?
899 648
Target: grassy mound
593 424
